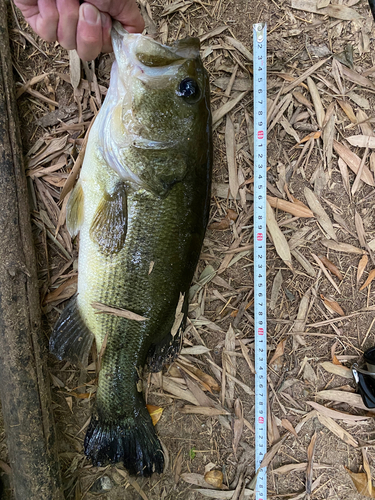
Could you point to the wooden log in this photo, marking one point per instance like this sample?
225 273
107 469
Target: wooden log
24 382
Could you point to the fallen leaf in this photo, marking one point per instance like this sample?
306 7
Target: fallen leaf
348 110
293 208
360 482
370 277
155 413
321 214
289 427
310 464
331 266
279 240
361 141
339 415
279 351
361 267
340 370
117 311
336 429
332 305
342 247
337 11
353 161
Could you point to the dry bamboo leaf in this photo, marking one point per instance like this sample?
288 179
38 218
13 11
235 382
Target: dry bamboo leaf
285 469
276 286
181 5
237 425
117 311
315 96
228 106
279 351
302 99
361 267
360 229
74 68
362 141
369 279
279 240
353 161
214 478
310 464
348 110
58 292
208 411
340 370
300 322
304 262
176 389
328 276
230 144
336 429
206 379
332 305
336 11
361 483
366 466
230 363
155 413
240 47
308 374
289 427
304 75
268 457
331 266
213 33
321 214
342 397
245 354
356 78
292 208
342 247
345 176
372 161
225 495
328 136
339 415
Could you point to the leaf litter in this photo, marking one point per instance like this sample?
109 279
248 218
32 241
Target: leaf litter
318 135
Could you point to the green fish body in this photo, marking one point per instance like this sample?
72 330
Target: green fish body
141 207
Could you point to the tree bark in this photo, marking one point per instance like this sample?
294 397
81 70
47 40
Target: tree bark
24 382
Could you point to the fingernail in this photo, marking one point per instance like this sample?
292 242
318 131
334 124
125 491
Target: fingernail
90 14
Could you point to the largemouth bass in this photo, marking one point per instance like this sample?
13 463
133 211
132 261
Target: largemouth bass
141 207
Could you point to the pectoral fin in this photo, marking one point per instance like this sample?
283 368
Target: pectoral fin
74 210
109 226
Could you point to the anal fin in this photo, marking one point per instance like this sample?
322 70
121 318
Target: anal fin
71 339
109 226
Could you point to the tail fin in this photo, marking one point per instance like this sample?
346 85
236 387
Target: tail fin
132 441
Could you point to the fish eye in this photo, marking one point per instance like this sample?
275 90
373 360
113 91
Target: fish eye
189 90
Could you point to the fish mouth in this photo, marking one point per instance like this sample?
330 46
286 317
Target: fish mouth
149 55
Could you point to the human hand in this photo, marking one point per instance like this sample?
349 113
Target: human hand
85 27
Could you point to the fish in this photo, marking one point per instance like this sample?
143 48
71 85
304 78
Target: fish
140 207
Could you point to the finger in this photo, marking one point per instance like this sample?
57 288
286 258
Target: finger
106 32
125 11
68 20
89 32
42 16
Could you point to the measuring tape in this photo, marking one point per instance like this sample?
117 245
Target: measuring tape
260 311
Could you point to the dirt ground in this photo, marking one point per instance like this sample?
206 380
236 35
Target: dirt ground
320 316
